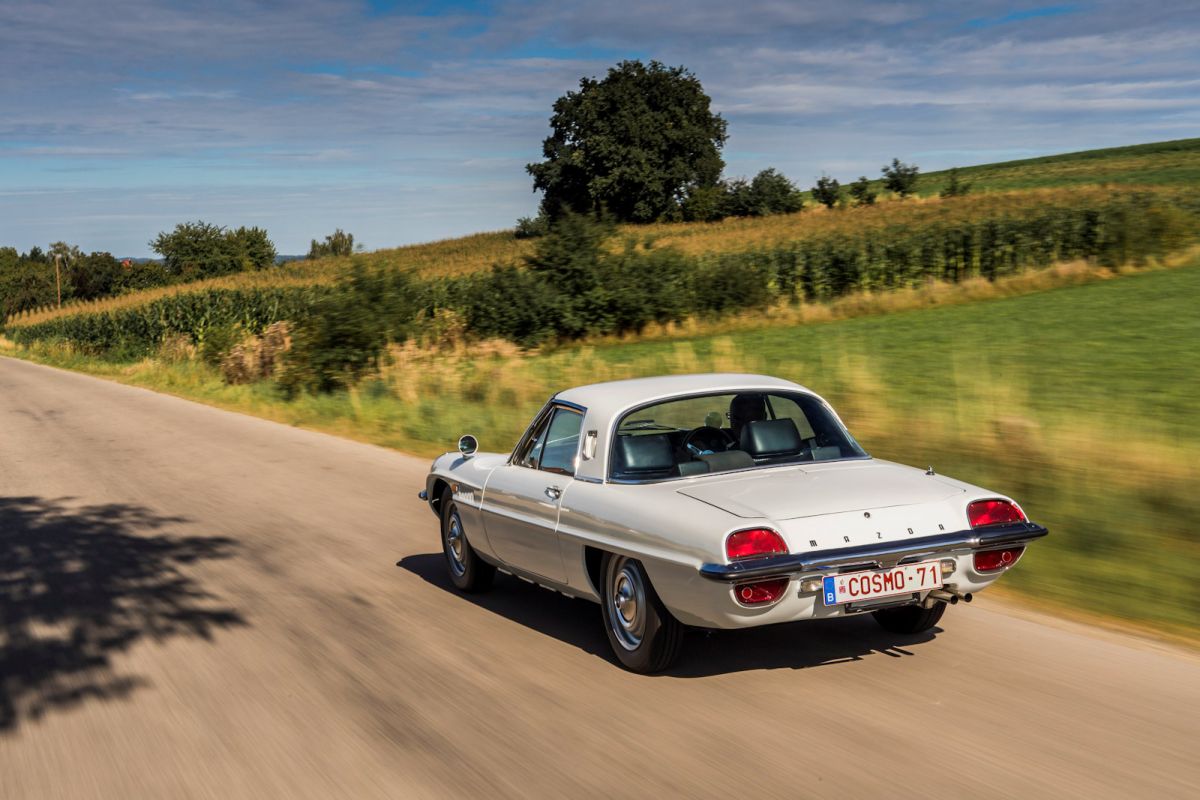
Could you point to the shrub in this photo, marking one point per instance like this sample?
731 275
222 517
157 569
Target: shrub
900 178
704 204
954 186
342 336
827 192
773 193
256 357
338 243
532 227
862 193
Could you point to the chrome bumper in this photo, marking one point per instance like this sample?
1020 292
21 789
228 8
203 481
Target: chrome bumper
874 556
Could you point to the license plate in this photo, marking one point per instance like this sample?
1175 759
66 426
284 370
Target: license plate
853 587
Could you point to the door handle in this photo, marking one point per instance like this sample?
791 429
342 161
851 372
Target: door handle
553 492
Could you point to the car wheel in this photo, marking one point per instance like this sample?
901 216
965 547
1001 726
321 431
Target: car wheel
468 571
643 634
909 619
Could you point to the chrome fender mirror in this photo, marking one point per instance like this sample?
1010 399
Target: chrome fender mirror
467 445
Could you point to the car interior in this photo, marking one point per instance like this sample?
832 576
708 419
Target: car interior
752 430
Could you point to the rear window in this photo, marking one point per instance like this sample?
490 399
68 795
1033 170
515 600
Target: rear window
692 436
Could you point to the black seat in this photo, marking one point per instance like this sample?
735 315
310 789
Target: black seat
649 456
771 438
746 408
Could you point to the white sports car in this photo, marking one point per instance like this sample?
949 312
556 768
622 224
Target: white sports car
717 501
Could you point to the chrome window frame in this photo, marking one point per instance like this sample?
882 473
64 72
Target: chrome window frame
546 411
618 419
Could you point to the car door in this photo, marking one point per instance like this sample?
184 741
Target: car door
522 499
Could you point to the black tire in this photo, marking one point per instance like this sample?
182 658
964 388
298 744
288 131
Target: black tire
909 619
649 639
468 572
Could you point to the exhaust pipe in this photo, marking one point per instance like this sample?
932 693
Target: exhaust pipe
947 597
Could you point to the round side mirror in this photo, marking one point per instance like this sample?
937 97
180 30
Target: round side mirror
467 445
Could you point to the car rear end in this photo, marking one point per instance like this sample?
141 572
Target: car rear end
835 565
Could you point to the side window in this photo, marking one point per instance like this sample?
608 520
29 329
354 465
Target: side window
531 450
562 442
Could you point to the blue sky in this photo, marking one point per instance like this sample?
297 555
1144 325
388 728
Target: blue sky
410 121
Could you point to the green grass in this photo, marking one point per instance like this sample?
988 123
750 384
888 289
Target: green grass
1129 346
1174 163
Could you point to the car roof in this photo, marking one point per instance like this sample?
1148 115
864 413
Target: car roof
604 402
614 396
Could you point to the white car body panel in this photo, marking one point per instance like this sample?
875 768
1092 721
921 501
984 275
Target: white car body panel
677 526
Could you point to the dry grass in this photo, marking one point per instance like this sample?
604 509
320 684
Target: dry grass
744 234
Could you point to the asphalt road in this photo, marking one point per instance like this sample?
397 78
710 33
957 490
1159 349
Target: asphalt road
195 603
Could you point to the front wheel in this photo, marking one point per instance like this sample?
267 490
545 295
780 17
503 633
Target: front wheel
909 619
468 571
641 631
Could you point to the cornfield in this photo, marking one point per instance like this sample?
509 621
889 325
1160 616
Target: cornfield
135 331
720 267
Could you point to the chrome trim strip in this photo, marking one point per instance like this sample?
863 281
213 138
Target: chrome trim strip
870 554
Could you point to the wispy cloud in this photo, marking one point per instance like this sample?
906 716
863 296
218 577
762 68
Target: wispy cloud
408 120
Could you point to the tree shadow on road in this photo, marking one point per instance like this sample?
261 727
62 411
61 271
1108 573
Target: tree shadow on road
81 584
575 622
796 645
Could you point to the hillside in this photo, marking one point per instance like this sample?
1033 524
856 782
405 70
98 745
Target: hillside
1172 163
1163 164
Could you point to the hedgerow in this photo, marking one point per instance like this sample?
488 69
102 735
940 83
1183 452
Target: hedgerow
577 284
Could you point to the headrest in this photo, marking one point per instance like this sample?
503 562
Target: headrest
649 453
771 437
746 407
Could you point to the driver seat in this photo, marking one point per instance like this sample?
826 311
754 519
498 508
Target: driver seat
772 439
744 409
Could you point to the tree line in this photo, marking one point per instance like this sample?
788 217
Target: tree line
643 145
192 251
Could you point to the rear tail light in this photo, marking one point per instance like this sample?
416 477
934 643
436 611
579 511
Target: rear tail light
992 560
761 593
754 543
993 512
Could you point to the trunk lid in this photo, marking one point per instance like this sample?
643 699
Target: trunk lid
814 490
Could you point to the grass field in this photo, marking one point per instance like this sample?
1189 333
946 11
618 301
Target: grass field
1082 402
1173 163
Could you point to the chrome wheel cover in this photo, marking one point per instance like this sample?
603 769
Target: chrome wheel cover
625 602
455 545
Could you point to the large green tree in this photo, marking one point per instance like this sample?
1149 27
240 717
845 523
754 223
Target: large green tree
202 250
634 144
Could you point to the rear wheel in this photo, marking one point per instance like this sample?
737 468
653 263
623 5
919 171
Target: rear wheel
643 634
909 619
468 571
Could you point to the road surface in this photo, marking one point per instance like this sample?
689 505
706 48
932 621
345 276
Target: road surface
196 603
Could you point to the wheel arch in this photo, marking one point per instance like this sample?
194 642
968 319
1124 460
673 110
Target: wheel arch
437 491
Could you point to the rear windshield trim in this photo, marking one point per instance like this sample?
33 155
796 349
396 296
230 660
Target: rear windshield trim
611 476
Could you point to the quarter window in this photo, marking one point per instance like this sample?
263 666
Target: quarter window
531 450
562 442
